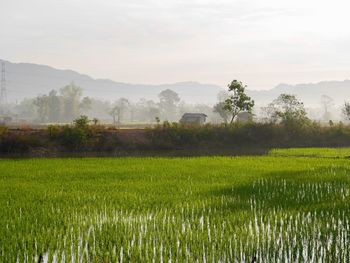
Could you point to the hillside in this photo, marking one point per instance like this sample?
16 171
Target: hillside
28 80
310 93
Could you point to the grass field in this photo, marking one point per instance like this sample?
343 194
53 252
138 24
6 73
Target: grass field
312 152
278 209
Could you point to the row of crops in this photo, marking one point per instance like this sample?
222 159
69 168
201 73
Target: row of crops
274 209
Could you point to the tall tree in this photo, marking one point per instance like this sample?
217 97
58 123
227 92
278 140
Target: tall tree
168 101
26 109
42 104
71 95
346 110
149 108
288 110
54 102
238 101
118 110
85 104
327 103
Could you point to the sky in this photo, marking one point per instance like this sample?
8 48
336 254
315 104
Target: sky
260 42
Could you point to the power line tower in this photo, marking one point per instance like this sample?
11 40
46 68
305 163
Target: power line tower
3 93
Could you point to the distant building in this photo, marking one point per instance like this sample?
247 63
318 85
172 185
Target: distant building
193 118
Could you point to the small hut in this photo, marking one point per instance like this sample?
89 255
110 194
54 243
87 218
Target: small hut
193 118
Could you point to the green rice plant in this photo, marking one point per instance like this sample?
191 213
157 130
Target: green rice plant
216 209
312 152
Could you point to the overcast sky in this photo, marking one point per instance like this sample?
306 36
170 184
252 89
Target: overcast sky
261 42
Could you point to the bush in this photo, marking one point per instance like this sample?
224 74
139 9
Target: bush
73 137
17 143
176 136
82 122
82 136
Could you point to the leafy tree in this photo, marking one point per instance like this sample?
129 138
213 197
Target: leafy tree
42 104
151 110
168 96
288 110
71 95
238 100
168 100
81 122
26 109
85 104
54 111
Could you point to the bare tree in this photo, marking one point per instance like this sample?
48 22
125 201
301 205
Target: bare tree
327 103
117 111
346 110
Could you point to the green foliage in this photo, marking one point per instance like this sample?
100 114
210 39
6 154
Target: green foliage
312 152
74 137
82 136
19 142
63 106
82 122
256 135
238 100
279 209
237 137
288 109
71 138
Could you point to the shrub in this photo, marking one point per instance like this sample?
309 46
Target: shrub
73 137
17 143
82 122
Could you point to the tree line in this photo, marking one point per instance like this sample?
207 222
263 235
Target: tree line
68 103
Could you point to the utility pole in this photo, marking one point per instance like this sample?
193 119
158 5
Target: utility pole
3 93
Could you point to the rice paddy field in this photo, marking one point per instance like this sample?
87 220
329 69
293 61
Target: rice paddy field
312 152
283 207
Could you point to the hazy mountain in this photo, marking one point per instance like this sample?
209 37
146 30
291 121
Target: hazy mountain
28 80
310 93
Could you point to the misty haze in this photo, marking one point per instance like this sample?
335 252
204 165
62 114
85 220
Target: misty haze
26 84
174 131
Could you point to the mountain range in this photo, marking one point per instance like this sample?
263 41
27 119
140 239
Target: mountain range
29 80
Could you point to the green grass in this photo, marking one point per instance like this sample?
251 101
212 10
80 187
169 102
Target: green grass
224 209
312 152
